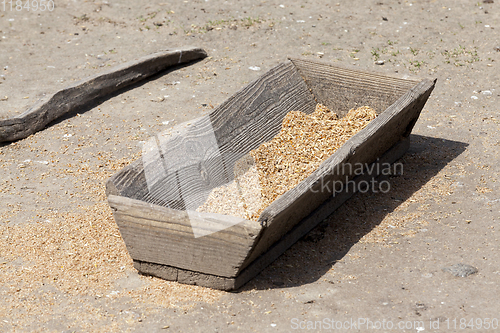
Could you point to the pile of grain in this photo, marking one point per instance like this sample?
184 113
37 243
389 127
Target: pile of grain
280 164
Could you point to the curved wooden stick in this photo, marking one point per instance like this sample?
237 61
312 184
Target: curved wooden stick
80 93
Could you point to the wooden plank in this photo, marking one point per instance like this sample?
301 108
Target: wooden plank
300 230
254 114
342 89
165 236
185 276
83 92
382 133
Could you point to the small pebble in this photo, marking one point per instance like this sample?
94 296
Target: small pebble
254 68
379 62
474 97
461 270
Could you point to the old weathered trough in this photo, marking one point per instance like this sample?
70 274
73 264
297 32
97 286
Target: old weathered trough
154 199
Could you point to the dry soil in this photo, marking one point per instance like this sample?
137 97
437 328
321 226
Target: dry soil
379 258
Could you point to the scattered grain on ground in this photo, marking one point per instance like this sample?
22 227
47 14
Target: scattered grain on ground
79 251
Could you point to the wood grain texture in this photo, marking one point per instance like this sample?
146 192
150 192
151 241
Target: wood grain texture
251 116
254 114
342 89
165 236
81 93
278 248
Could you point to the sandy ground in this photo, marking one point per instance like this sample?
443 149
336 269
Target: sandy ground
379 258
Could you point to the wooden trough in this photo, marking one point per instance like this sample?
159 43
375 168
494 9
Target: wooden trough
154 199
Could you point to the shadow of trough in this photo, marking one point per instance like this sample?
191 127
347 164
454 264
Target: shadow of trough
316 253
